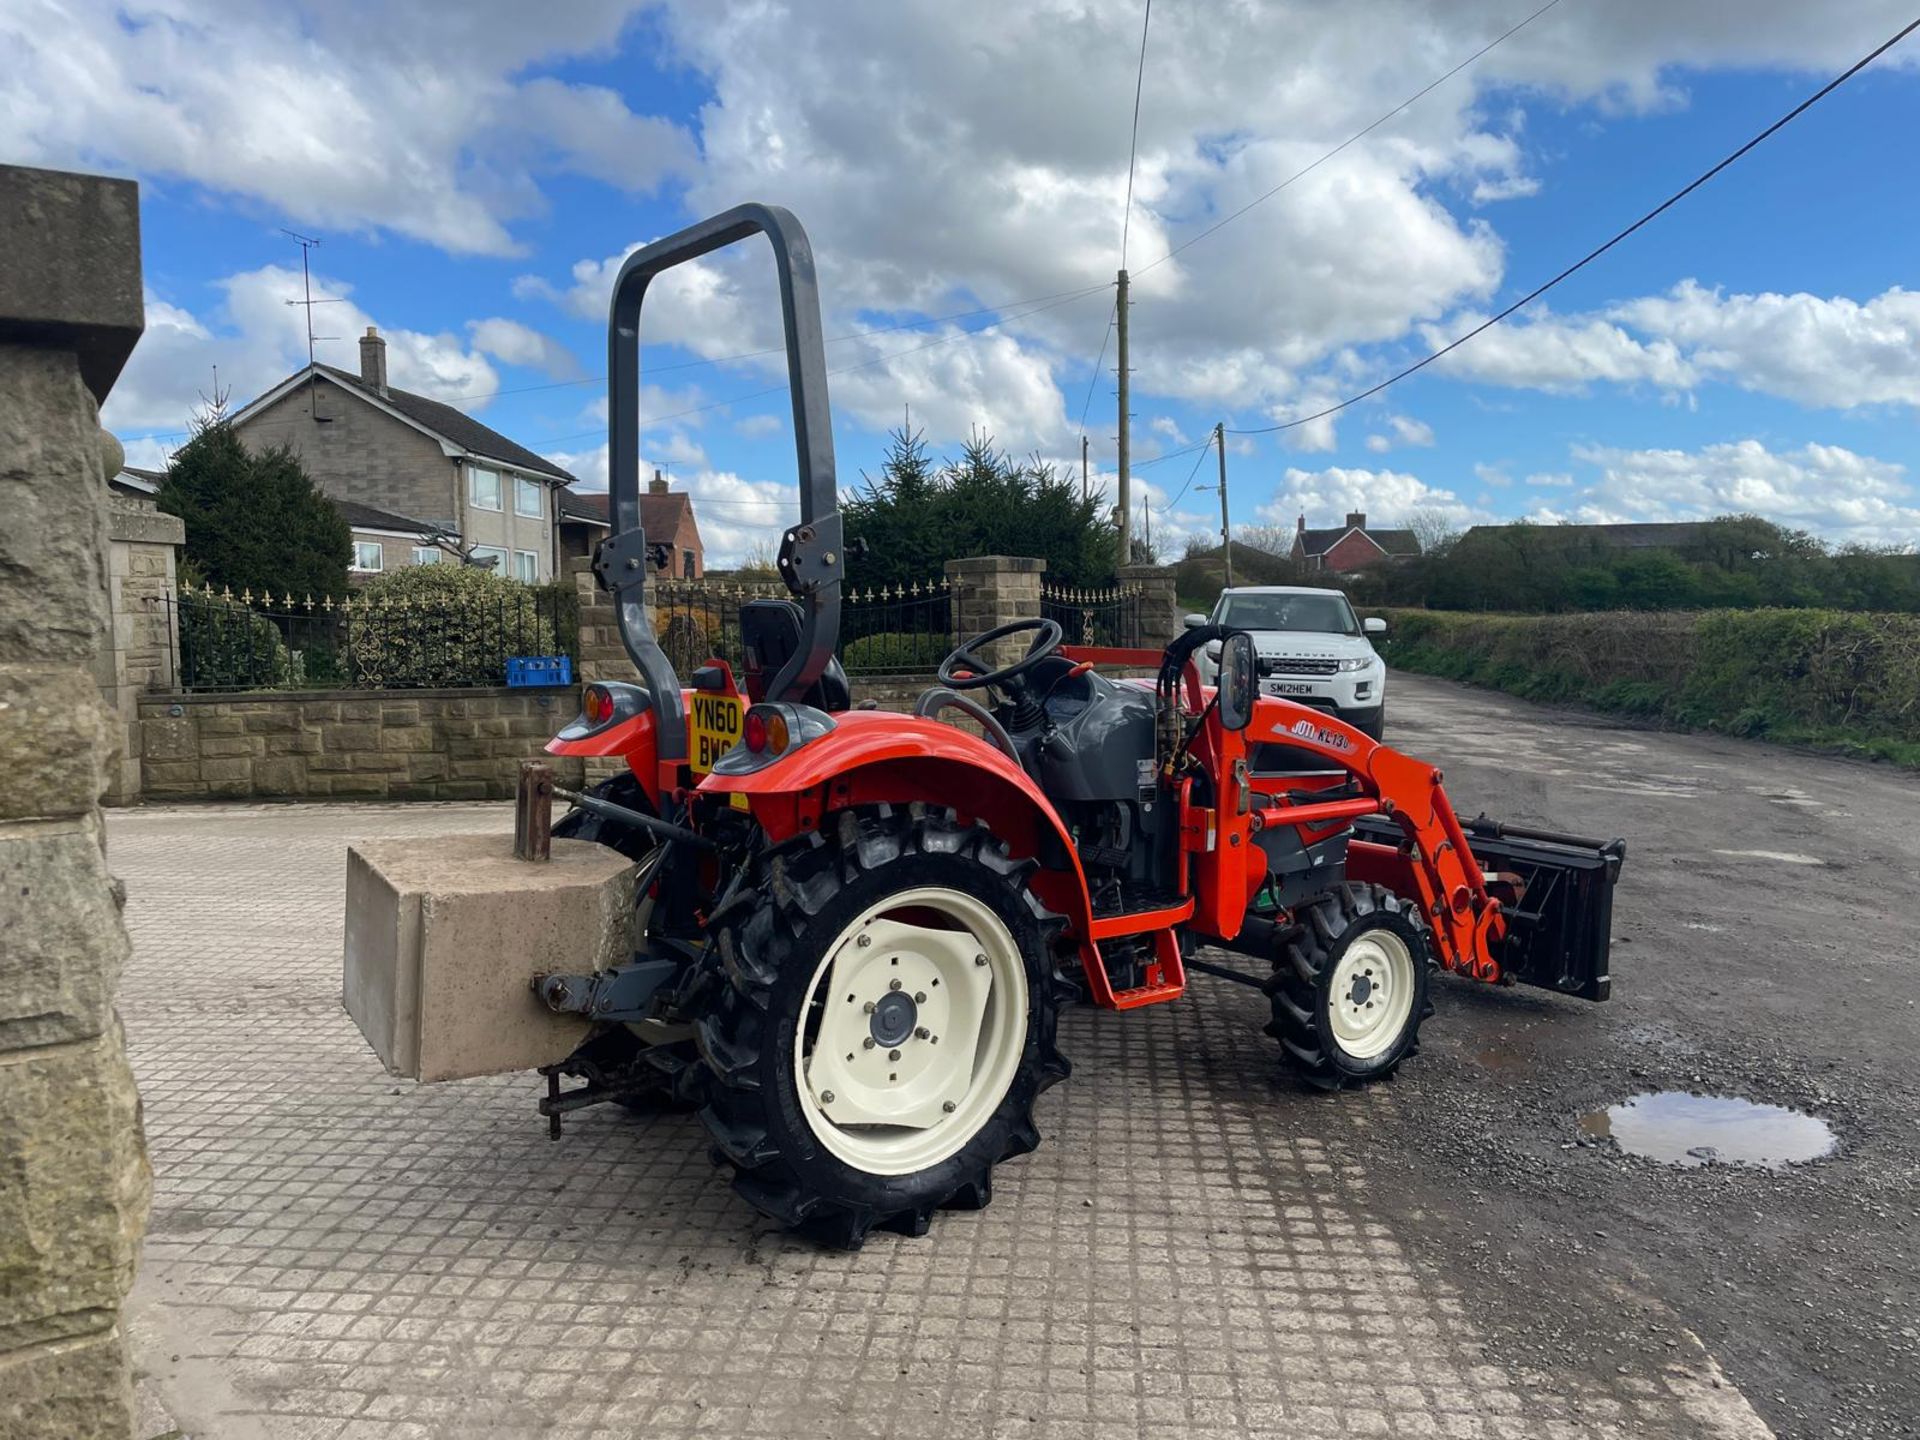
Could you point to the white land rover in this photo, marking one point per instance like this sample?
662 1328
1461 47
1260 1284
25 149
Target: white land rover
1311 649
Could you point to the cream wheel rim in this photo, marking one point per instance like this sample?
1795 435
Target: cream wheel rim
1370 997
912 1030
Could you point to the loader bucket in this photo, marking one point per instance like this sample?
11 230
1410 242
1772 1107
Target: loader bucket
1557 892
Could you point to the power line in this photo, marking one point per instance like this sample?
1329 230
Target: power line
1198 461
1599 250
1094 379
1351 139
1133 144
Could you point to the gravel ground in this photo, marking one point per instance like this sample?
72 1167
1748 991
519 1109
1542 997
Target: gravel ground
1764 948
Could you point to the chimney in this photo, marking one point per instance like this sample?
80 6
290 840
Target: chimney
1356 519
373 361
1301 527
658 485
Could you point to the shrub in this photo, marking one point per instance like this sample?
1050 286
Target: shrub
225 645
1837 679
896 652
445 626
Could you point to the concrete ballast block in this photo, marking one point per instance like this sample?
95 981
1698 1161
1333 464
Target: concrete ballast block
444 935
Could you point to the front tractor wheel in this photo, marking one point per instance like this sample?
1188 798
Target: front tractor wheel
886 1023
1349 987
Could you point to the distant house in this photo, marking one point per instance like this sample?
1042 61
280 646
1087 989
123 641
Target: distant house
402 467
1342 549
665 514
1675 535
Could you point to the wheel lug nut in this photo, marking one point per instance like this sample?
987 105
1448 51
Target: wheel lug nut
893 984
922 1032
867 1044
826 1097
979 959
870 1007
948 1106
919 997
893 1054
864 941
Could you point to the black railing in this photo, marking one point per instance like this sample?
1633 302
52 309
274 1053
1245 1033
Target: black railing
884 630
1102 615
227 642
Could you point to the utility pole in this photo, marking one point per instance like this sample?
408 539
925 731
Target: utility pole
1125 507
1084 491
1226 532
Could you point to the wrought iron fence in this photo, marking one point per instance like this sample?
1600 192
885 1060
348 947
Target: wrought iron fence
1100 615
897 629
247 642
884 630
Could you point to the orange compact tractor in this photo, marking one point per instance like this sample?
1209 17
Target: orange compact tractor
858 927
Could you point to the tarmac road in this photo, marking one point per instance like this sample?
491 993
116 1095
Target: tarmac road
1765 947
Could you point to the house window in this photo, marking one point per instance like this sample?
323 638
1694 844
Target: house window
686 564
427 554
483 553
526 566
526 497
367 555
483 488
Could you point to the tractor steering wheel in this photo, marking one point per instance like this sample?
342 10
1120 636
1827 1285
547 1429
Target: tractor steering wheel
1045 641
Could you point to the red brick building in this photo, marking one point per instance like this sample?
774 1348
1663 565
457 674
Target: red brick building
1343 549
666 515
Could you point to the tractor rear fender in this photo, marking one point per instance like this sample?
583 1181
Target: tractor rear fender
875 757
629 736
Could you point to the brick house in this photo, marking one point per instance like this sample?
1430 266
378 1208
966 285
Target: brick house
1343 549
665 514
403 467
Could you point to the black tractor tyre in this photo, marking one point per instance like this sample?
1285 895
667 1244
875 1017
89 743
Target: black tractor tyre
584 824
1308 1017
770 941
1377 728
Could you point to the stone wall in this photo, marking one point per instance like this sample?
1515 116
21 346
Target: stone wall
74 1182
141 638
362 745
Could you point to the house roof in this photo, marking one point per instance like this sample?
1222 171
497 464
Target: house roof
660 515
141 482
1632 535
1394 542
368 517
454 428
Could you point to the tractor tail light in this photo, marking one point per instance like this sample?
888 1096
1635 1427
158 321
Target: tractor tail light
597 702
770 731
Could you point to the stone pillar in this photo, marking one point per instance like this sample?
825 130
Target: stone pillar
142 634
990 591
74 1182
1159 605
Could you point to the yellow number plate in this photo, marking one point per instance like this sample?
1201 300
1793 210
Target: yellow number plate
715 729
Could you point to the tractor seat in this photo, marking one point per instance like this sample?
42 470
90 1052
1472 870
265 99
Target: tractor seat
770 634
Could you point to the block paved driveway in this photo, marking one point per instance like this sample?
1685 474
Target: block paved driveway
1194 1250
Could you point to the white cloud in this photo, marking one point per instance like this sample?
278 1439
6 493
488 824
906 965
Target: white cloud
758 427
357 115
1402 430
256 340
1828 352
1824 488
1386 497
513 343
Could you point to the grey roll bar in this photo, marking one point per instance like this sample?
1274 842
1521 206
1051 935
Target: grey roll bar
812 557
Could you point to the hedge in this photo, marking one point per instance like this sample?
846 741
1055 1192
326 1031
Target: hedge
1834 679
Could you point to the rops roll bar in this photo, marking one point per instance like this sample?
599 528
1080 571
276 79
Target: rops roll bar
812 557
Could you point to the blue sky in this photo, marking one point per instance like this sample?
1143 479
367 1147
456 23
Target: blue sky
475 173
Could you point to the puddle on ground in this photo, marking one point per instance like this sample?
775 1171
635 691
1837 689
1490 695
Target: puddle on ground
1677 1128
1784 857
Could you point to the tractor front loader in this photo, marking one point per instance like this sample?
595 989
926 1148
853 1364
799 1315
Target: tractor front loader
859 928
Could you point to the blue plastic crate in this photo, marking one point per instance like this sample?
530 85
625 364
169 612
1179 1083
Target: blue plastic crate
523 670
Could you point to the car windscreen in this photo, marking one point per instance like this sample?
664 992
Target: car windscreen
1316 614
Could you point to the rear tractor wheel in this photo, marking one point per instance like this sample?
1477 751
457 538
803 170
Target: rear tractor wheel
886 1022
1349 987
